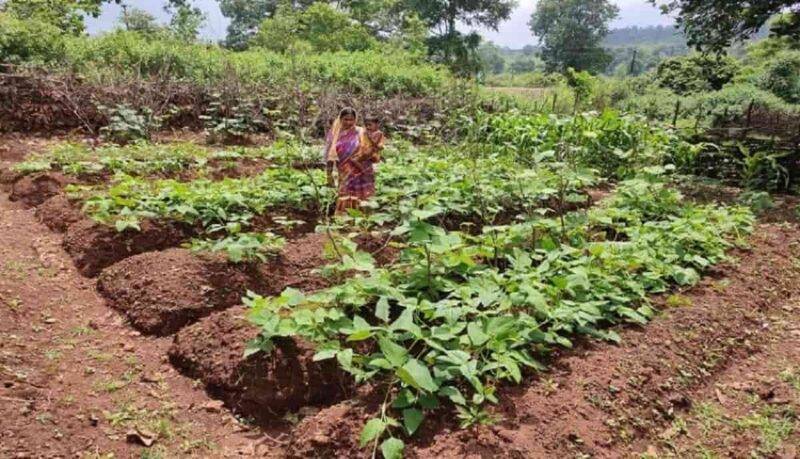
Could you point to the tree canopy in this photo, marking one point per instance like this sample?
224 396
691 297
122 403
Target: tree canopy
572 32
67 15
713 26
320 27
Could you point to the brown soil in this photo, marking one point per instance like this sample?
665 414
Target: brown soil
58 213
751 409
7 178
94 246
32 190
160 292
261 386
238 168
296 265
75 379
329 432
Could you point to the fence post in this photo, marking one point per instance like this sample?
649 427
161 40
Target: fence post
555 99
698 117
677 111
750 113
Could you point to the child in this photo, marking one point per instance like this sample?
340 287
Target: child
375 140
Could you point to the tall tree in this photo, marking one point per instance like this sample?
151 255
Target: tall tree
138 20
447 44
492 60
319 28
67 15
247 15
186 19
572 32
715 25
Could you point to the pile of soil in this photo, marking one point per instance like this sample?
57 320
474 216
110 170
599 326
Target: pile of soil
32 190
94 246
329 432
7 178
297 264
161 292
58 213
262 386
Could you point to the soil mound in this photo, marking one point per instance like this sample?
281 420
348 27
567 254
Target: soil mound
329 433
57 213
94 246
297 264
161 292
7 178
33 190
263 385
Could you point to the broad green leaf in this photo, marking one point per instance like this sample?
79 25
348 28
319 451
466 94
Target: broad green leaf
372 430
394 353
417 375
476 334
392 448
412 418
382 309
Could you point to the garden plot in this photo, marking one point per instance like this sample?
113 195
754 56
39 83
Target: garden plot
471 268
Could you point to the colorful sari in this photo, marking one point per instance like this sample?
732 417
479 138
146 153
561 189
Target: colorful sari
356 176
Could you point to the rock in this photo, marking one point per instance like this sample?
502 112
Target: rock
213 406
140 437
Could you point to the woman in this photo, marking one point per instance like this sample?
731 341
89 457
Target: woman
344 144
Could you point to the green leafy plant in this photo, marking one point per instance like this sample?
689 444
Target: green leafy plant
230 124
242 247
126 124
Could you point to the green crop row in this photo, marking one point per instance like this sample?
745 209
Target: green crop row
143 159
460 314
617 145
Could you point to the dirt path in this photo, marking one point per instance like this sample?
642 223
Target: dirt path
76 380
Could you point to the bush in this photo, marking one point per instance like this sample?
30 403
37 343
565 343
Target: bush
122 54
126 125
29 40
583 83
734 100
696 73
320 26
782 76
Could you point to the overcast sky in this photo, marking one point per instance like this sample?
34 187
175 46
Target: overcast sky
513 33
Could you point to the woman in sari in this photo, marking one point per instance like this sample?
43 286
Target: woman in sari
345 144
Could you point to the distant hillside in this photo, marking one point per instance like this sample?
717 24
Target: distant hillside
657 36
645 36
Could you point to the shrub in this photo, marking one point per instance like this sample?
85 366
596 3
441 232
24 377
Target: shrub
29 40
583 83
782 76
733 101
321 26
696 73
126 125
